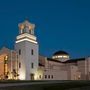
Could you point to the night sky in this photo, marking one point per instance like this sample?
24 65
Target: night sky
60 24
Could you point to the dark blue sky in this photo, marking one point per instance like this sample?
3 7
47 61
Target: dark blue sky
60 24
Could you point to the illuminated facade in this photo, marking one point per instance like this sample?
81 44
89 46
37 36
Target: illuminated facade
26 47
8 64
25 63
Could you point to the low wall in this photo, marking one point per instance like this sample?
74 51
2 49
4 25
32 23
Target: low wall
44 85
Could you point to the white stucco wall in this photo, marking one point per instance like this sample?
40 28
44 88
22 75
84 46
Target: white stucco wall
57 75
26 58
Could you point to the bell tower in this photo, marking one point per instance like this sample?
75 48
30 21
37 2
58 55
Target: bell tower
26 27
26 46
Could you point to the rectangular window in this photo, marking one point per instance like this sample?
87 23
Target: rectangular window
48 76
52 76
32 52
45 76
40 76
19 65
19 51
32 65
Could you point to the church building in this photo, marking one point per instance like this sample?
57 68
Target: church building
25 63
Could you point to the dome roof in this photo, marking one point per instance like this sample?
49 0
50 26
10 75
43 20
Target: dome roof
60 53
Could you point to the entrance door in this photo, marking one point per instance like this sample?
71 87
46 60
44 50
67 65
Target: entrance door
32 76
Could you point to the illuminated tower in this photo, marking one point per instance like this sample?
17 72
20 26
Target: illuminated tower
27 49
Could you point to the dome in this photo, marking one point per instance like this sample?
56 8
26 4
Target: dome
60 53
61 56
